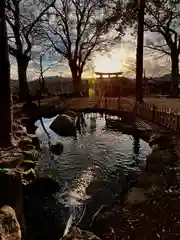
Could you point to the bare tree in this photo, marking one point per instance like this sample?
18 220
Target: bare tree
162 17
22 17
5 91
77 29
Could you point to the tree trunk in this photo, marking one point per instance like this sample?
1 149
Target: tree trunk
76 81
139 53
174 73
5 90
22 62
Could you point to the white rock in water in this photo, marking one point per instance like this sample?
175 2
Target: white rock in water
136 195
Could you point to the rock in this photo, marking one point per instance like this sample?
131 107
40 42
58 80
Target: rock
29 176
31 155
31 128
11 161
24 120
57 148
18 127
135 196
35 140
27 164
11 193
9 225
29 124
25 143
163 141
20 133
64 125
30 109
18 130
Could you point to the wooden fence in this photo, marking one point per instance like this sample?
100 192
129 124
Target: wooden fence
168 118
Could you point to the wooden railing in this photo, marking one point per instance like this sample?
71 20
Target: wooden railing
166 117
104 103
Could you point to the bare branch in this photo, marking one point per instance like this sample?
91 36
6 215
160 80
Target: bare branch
158 49
64 54
38 18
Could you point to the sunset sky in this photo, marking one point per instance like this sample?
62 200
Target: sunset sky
120 58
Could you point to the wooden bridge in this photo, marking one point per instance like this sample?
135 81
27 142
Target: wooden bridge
145 113
146 116
116 106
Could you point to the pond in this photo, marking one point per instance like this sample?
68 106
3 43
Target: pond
97 166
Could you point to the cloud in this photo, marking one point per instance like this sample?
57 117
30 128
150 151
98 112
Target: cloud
123 54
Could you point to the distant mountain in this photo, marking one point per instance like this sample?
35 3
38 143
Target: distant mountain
52 83
64 84
164 78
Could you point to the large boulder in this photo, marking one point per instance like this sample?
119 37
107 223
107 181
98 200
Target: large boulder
64 125
9 225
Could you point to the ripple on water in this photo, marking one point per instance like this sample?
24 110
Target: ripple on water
100 155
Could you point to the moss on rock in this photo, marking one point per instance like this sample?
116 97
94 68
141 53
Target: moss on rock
9 225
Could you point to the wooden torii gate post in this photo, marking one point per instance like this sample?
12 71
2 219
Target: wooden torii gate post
103 75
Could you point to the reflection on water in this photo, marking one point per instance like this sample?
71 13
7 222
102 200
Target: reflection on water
92 124
97 163
136 148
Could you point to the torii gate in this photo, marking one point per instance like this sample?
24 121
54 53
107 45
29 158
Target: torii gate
111 74
108 76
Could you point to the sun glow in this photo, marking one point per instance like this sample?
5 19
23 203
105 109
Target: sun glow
107 64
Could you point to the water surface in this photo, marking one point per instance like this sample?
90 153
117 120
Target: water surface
97 164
